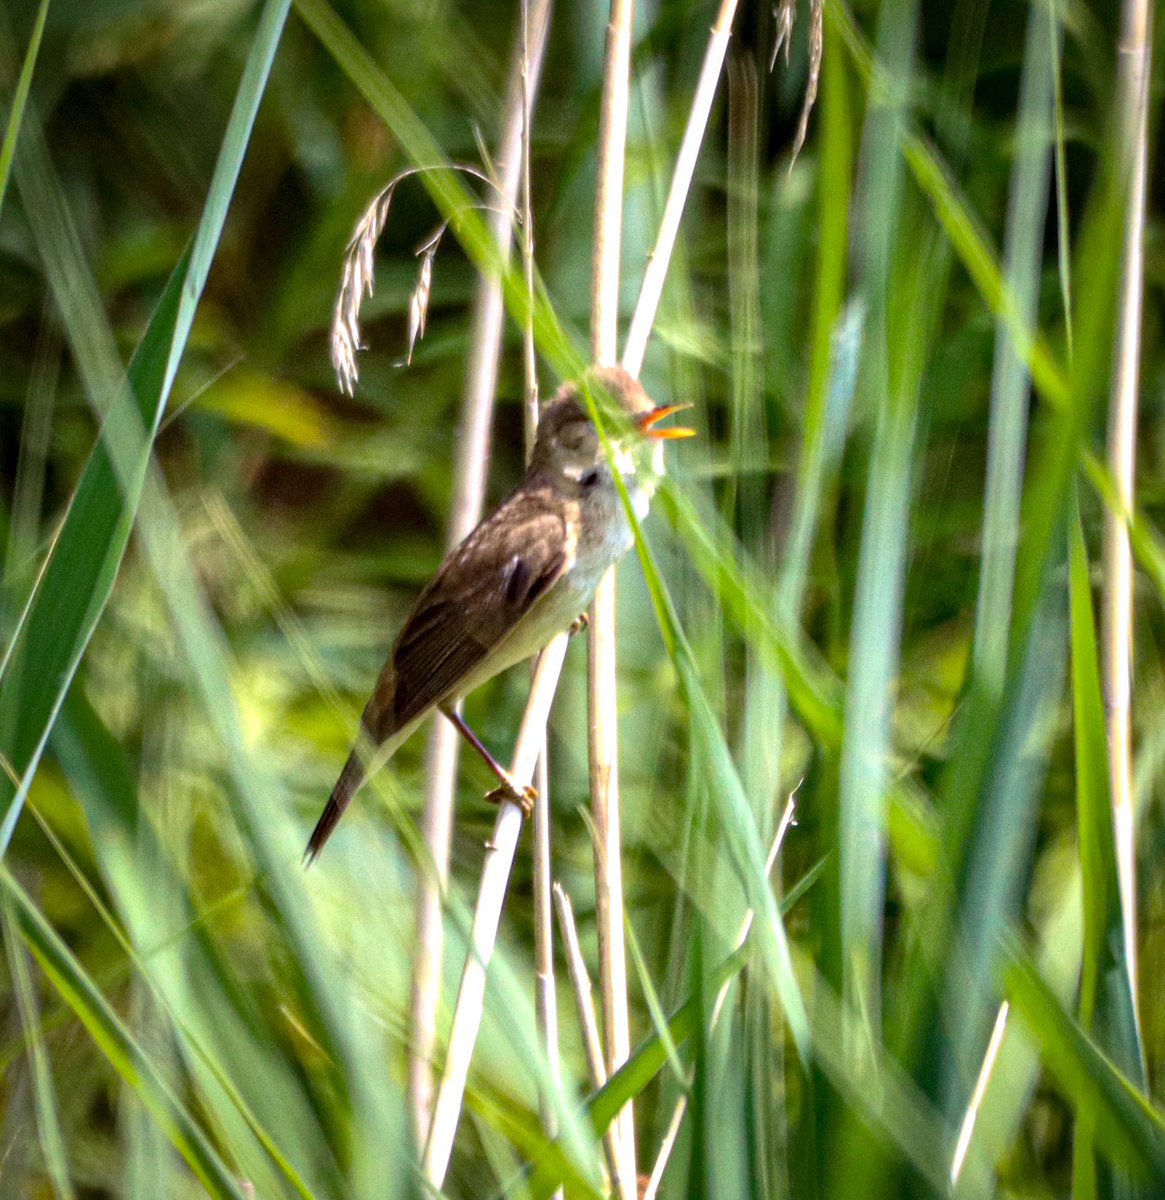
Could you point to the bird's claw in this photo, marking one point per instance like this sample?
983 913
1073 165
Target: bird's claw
579 623
523 795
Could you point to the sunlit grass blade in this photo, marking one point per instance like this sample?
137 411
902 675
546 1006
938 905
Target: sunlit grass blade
1130 1131
46 649
72 591
118 1044
248 1092
723 781
814 691
1057 438
551 1167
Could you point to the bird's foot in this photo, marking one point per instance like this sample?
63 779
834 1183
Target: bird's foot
579 624
521 794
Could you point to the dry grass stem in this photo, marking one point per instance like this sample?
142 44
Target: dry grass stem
495 875
529 358
1122 431
545 992
994 1045
580 982
358 275
477 406
545 997
673 1128
604 751
651 289
602 687
666 1146
608 237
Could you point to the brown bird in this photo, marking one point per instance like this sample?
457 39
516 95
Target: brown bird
521 577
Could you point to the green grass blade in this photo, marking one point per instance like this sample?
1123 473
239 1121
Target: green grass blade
963 229
1105 1002
1130 1131
48 1124
814 690
1007 423
118 1045
72 591
70 594
1106 1005
889 394
723 781
836 337
20 99
248 1092
236 139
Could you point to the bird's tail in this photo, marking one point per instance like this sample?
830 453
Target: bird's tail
351 777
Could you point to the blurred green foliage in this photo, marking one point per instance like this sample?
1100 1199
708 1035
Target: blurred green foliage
856 583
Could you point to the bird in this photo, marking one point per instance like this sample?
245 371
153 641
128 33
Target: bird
521 577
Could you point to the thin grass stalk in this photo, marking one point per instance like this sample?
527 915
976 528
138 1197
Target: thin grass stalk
1117 619
495 875
1010 381
529 357
545 997
477 405
613 113
45 1106
677 1117
545 991
967 1129
603 739
20 98
580 982
651 289
604 778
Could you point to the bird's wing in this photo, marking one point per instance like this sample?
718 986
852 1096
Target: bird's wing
482 590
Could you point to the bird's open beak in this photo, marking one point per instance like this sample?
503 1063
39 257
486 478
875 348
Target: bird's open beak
649 419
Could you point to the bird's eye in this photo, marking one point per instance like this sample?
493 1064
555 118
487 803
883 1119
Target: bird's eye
590 478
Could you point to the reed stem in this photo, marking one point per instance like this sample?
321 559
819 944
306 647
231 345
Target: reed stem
477 405
602 689
1117 601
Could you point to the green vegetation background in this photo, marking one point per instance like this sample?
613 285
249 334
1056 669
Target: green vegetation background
868 551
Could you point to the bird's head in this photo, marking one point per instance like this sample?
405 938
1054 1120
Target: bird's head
568 442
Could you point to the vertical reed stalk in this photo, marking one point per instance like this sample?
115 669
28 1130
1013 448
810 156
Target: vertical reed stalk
584 1000
495 875
545 998
602 693
1122 431
477 405
651 289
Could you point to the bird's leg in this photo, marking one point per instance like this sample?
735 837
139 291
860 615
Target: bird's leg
579 624
523 795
